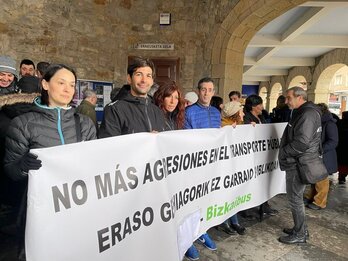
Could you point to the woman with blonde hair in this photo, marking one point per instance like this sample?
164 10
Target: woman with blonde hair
232 114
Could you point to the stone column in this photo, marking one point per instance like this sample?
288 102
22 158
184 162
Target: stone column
318 96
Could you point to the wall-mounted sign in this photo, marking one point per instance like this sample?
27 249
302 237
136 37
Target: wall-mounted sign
164 18
154 46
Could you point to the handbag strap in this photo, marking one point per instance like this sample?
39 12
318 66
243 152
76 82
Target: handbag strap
320 143
78 127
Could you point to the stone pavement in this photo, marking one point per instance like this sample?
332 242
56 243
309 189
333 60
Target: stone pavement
328 230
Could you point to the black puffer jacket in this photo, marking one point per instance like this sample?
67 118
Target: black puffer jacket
302 135
131 114
11 106
249 118
41 128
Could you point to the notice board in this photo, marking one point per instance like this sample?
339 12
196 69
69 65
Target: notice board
102 89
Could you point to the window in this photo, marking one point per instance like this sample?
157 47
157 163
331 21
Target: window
338 80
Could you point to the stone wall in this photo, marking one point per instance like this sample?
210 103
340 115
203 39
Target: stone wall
96 37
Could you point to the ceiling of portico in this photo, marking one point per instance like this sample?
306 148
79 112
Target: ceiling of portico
296 38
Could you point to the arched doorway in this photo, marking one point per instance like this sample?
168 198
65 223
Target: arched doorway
326 84
263 93
338 91
299 81
234 35
276 91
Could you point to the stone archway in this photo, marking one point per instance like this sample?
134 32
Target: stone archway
299 76
322 90
234 34
299 81
276 91
263 93
323 73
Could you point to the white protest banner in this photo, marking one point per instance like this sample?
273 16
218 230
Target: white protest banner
147 196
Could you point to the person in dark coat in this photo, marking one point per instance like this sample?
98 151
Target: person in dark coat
301 138
87 106
134 112
281 113
342 148
253 110
317 195
11 106
253 115
51 122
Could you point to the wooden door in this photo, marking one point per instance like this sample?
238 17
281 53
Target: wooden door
166 70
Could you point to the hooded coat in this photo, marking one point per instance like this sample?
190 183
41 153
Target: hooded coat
130 114
11 106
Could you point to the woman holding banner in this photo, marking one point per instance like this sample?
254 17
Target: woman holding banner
170 100
51 122
232 114
253 115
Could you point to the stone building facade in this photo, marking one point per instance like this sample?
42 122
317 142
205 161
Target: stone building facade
97 37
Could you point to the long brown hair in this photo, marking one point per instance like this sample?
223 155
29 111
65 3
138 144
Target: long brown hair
165 91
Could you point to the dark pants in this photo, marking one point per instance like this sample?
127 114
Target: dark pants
294 191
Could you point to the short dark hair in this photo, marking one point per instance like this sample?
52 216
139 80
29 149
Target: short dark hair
252 101
139 62
27 62
234 93
205 79
216 102
42 66
323 107
50 72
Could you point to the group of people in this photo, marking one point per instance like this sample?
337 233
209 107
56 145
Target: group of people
45 118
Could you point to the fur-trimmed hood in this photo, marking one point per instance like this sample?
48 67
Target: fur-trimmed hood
11 99
13 105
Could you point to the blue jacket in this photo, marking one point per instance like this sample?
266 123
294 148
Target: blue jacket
198 116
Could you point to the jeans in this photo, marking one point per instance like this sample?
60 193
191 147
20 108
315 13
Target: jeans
294 191
233 220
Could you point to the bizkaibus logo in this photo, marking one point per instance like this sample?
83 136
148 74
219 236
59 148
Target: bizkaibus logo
217 211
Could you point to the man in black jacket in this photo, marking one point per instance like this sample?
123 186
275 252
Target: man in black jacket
301 137
134 112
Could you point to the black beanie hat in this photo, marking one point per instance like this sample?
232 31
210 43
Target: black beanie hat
29 84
